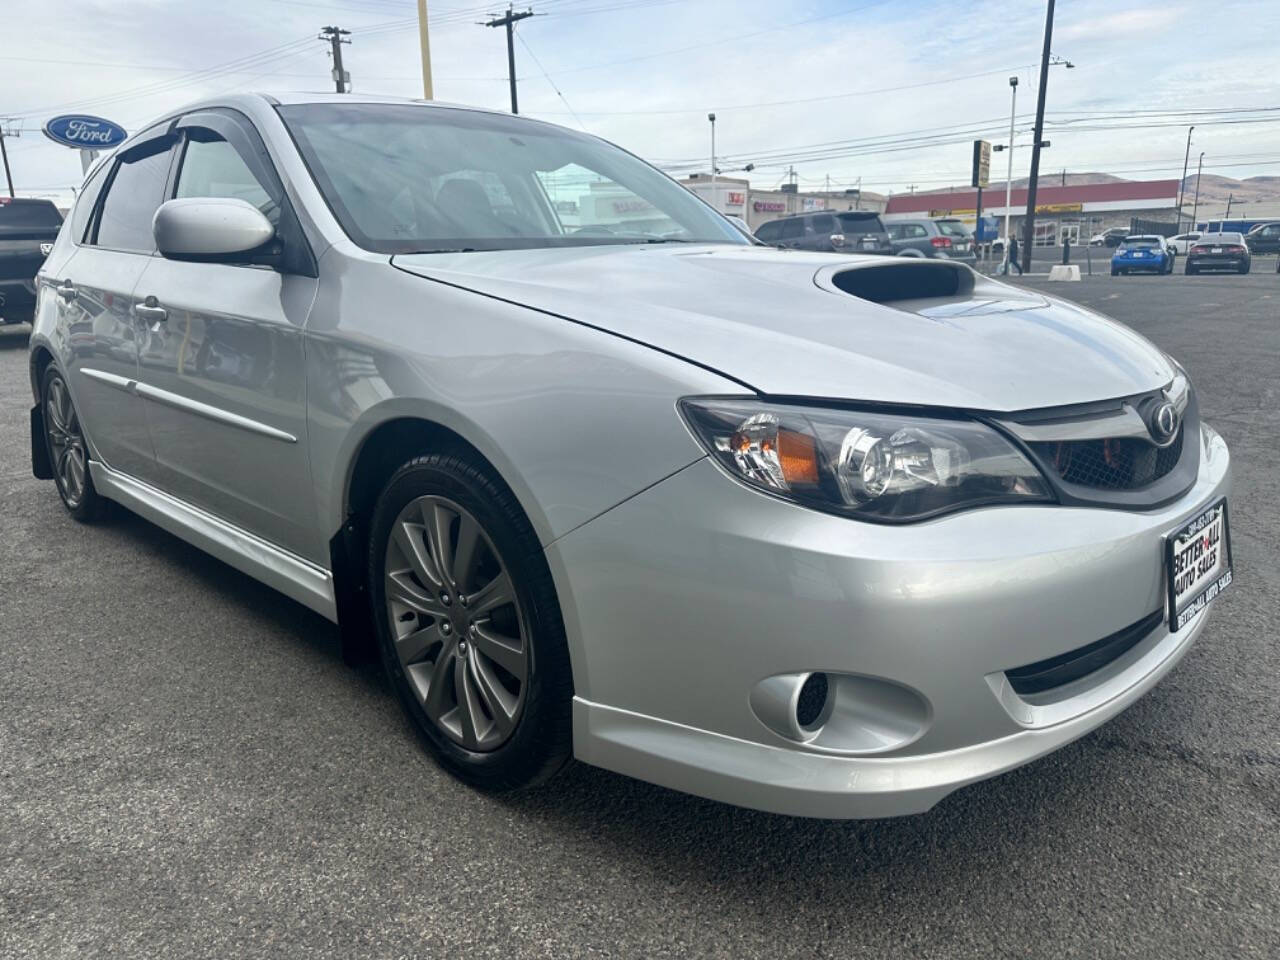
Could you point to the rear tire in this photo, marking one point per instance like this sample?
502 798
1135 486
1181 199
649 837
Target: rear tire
68 450
468 623
1244 268
1190 271
1115 272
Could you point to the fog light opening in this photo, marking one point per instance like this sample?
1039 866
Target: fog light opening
811 703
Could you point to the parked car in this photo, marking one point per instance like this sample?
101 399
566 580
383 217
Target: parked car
942 239
1264 238
1109 238
1219 251
853 231
28 228
630 488
1182 242
1148 253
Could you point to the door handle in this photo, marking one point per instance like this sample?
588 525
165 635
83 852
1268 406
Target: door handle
150 309
67 291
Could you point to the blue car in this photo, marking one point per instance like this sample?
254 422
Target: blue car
1146 252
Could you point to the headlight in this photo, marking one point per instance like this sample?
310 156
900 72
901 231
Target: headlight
868 465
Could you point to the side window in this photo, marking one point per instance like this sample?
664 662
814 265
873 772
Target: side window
135 192
894 231
824 224
792 229
85 203
915 231
769 232
214 168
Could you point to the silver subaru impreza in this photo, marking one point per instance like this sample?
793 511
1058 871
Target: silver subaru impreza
596 476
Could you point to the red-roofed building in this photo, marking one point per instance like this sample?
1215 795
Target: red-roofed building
1082 209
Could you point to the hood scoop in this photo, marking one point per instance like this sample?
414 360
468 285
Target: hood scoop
929 288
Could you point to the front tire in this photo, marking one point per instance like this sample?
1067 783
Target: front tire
68 451
468 623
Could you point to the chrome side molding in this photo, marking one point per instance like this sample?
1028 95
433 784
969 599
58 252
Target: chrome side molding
306 582
205 410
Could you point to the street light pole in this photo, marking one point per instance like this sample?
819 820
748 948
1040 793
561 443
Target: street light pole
424 42
1195 207
1183 182
712 118
1008 180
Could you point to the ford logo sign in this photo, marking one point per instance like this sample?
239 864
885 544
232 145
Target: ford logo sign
85 132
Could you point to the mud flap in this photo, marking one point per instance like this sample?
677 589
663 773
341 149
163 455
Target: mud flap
41 468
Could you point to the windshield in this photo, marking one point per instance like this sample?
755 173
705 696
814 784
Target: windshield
403 178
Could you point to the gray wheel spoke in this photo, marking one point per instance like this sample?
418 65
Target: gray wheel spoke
402 589
468 705
409 538
440 684
438 520
415 644
464 557
76 464
492 595
499 702
506 653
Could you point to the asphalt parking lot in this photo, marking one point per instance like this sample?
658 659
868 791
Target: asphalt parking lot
188 769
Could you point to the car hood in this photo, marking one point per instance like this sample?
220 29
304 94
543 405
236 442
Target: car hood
781 322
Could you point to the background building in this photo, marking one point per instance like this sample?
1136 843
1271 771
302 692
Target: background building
732 195
1078 210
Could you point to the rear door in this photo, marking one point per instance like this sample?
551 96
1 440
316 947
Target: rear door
94 294
222 365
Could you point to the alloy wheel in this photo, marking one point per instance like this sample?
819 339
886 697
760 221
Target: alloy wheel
460 632
66 442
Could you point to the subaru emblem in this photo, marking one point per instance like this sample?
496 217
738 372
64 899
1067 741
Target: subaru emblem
46 248
1164 422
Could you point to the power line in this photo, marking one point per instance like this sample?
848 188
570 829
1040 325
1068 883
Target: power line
538 63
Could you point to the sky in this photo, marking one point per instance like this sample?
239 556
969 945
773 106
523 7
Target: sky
885 93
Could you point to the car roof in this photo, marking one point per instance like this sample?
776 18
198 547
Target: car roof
1144 236
1219 233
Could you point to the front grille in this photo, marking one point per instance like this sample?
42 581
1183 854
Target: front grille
1060 670
1121 463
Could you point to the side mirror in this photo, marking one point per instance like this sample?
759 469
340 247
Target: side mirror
213 230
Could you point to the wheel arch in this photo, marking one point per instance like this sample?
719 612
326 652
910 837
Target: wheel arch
379 452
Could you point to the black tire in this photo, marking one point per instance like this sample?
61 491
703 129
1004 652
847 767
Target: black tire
85 505
542 739
1244 268
1115 272
1190 271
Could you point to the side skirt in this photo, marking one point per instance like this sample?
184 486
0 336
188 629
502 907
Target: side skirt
309 584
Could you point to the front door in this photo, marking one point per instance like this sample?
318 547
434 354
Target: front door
221 368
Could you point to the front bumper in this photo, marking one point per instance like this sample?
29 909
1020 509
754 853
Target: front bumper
681 600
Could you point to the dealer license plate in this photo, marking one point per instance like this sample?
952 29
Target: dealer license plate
1216 250
1197 564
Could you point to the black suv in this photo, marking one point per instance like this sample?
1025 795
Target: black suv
27 230
850 231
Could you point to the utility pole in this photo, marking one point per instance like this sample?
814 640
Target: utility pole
1227 216
1029 222
5 154
334 36
1183 182
428 93
1195 207
509 20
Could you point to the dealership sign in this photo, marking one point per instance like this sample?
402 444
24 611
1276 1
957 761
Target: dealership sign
736 199
84 132
768 206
